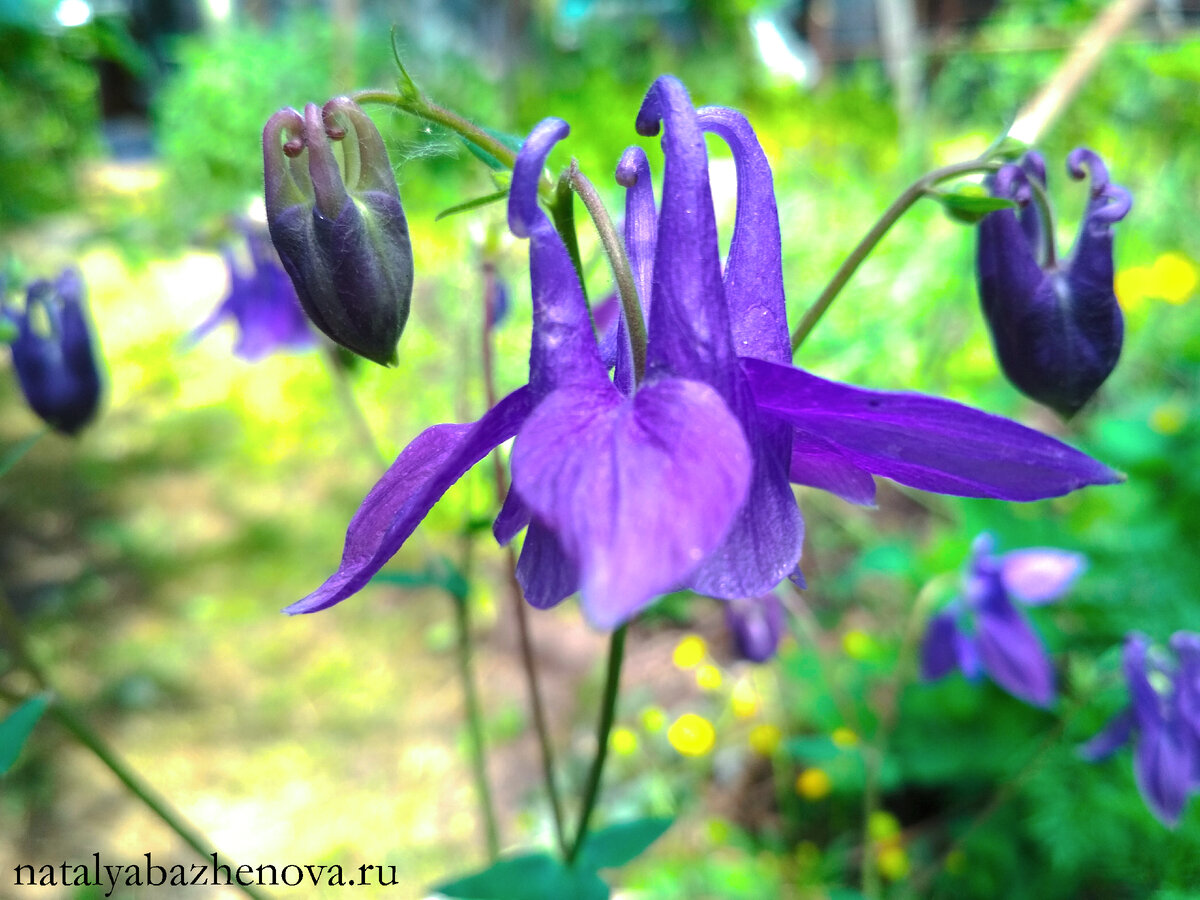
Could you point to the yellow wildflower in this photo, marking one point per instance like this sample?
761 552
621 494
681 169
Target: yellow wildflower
708 678
689 652
813 784
765 739
691 735
844 738
623 742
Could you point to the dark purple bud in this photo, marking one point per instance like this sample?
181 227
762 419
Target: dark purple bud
53 354
1056 326
340 229
757 624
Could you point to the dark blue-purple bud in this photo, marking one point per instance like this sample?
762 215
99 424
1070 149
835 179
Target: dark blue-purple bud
340 230
757 624
53 353
1056 326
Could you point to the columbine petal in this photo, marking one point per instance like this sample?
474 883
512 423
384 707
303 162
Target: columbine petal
1010 649
939 650
754 269
926 442
1162 763
1040 574
546 574
564 346
638 491
757 625
425 470
1112 737
819 464
690 337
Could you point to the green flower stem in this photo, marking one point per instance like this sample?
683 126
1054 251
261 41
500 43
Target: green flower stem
471 709
891 215
83 733
473 712
562 210
889 706
634 322
608 707
521 612
417 104
1046 214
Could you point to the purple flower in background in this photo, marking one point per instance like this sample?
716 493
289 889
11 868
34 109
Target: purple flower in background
340 230
982 631
757 624
684 480
54 354
1056 327
263 303
1164 712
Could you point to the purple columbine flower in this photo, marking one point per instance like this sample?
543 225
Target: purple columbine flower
631 490
340 231
54 353
1164 712
982 631
1056 326
263 303
757 625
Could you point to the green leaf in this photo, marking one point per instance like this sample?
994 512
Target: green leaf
512 142
8 329
532 876
968 203
471 204
812 749
14 453
620 844
439 573
15 729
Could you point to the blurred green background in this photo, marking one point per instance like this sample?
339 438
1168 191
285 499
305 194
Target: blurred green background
150 557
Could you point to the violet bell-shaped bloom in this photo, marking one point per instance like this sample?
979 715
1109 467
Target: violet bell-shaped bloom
1056 326
982 631
683 480
1164 712
54 353
340 230
757 624
262 303
731 331
623 496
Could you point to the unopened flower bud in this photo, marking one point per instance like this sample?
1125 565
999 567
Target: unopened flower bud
1056 326
53 354
757 624
340 231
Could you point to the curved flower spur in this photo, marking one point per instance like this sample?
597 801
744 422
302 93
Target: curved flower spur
1056 327
340 232
683 479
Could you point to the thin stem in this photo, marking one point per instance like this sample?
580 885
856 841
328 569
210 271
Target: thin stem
608 707
473 710
562 210
520 611
1046 214
635 323
891 215
874 755
471 707
83 733
349 402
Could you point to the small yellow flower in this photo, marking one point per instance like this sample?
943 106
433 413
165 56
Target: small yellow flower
813 784
708 678
765 739
858 644
1174 277
654 719
623 742
893 862
1169 418
882 825
844 738
1133 287
719 831
691 735
689 652
744 699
